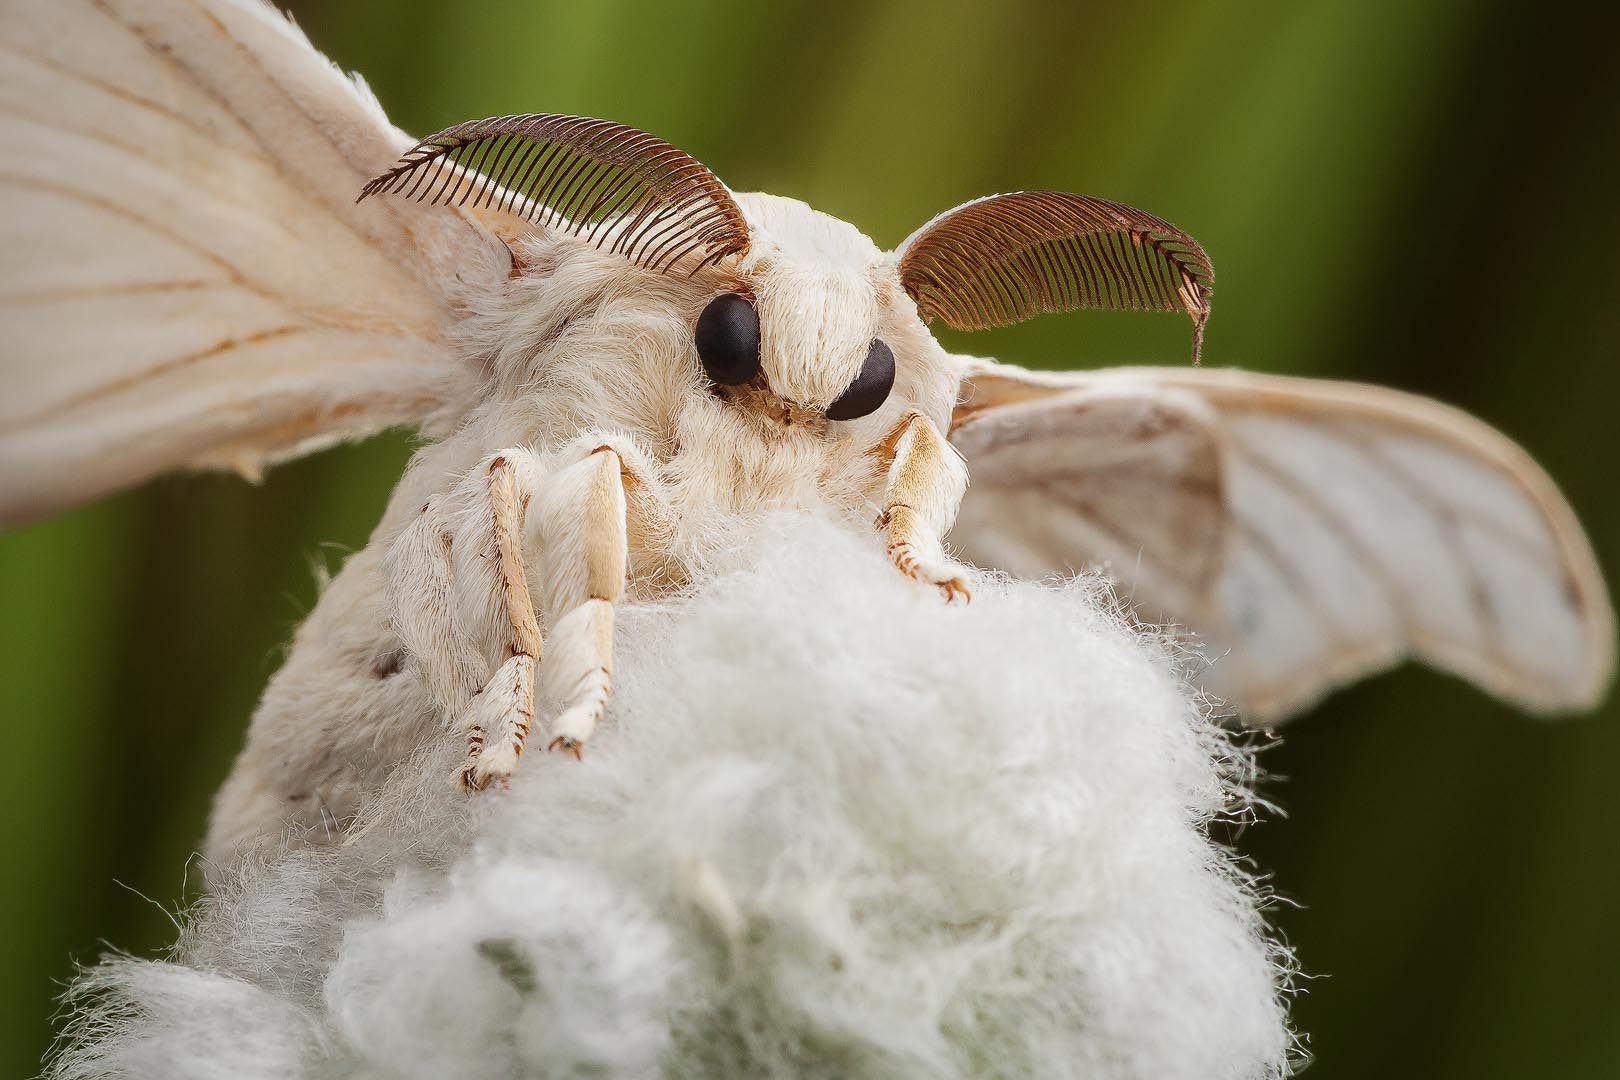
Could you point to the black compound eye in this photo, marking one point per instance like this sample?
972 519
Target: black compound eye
871 387
727 338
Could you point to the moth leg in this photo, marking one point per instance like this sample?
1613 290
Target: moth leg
497 720
922 488
583 528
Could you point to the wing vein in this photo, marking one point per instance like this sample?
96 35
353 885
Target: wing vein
1106 524
1449 524
63 294
315 318
1337 525
338 211
1527 546
1290 572
119 92
118 386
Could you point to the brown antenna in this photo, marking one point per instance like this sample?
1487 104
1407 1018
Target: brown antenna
1006 258
610 184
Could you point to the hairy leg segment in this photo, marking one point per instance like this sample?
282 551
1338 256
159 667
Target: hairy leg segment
923 486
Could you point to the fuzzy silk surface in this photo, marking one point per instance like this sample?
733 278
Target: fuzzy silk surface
833 827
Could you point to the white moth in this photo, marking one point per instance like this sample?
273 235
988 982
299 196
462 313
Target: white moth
616 360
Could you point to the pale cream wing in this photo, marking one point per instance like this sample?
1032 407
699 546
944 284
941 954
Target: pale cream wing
187 280
1310 532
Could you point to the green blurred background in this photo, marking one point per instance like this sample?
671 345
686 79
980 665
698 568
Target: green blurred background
1416 194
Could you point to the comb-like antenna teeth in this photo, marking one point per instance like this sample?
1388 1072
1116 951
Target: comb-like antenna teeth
617 198
422 176
1006 258
482 184
609 184
614 199
472 163
536 166
583 157
654 221
448 166
689 218
512 147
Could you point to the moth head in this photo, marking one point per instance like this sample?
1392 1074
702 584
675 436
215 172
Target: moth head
791 298
818 288
832 315
800 314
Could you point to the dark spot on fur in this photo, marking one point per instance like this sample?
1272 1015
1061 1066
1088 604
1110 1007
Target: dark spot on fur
389 663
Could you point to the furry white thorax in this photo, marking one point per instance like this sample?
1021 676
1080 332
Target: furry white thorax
581 342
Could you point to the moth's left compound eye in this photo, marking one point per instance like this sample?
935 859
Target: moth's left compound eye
727 338
871 387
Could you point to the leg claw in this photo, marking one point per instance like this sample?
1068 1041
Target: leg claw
474 780
482 773
943 574
565 742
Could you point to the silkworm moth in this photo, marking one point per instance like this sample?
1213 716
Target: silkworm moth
223 255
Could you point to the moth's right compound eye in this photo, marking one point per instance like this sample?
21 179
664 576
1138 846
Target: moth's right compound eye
727 338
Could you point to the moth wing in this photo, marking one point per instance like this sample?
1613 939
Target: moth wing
1311 532
188 281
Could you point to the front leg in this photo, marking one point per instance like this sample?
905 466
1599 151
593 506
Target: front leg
922 489
497 723
582 525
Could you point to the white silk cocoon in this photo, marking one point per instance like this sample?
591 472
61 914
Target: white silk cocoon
833 827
